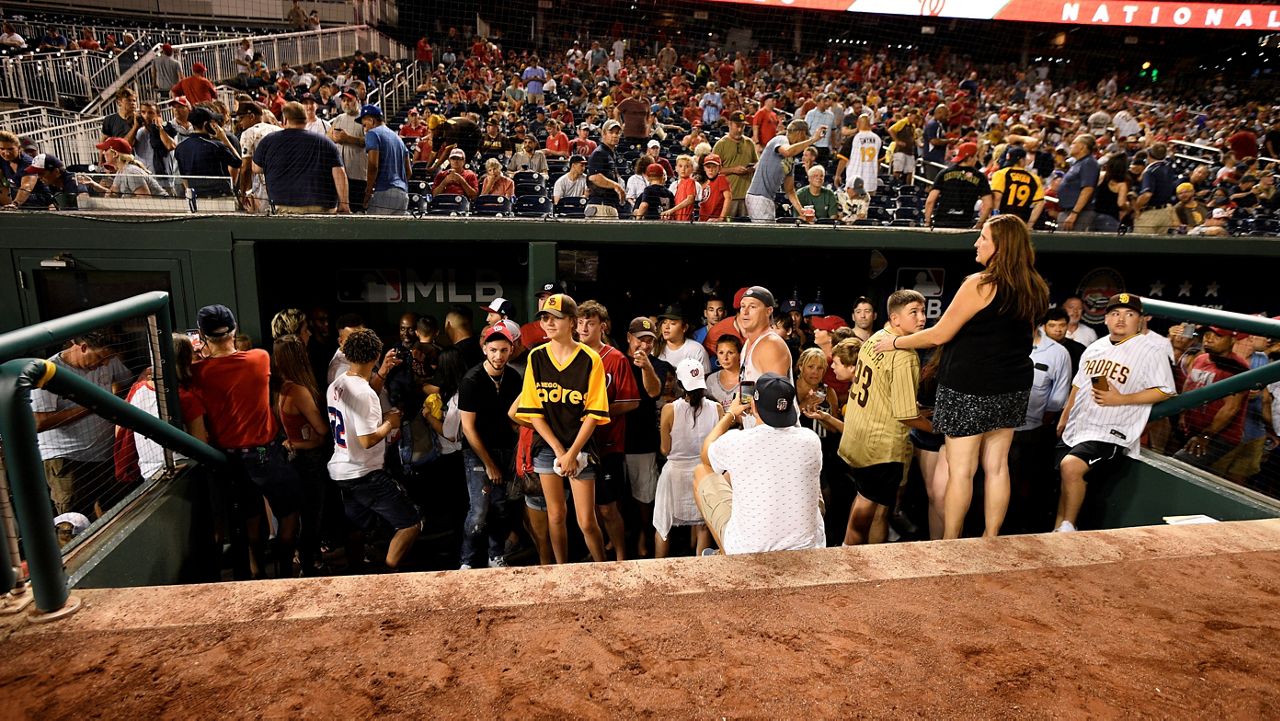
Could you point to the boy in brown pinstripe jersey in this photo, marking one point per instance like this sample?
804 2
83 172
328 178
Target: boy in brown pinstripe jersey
880 410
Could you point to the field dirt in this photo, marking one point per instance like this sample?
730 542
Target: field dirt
1159 622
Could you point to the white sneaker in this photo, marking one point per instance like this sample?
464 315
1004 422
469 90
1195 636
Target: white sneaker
465 567
497 562
1066 527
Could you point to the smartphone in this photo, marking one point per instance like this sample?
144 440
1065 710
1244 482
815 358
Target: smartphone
196 343
1100 382
746 389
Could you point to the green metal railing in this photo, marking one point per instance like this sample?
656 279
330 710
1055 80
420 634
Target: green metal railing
1247 381
23 463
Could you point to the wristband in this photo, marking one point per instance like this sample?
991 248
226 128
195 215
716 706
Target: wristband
895 342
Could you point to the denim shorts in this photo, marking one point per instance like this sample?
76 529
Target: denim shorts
267 468
378 495
544 461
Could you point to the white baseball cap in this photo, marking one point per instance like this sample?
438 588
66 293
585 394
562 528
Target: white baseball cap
691 375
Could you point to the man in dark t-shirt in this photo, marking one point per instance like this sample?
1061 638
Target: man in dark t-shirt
485 394
956 190
641 440
303 170
125 121
605 193
207 156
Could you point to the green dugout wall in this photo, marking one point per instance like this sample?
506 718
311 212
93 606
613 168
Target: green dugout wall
381 268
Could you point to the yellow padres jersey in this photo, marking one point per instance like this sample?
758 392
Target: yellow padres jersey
883 393
1019 190
564 393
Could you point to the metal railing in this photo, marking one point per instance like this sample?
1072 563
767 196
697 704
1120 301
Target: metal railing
22 460
393 93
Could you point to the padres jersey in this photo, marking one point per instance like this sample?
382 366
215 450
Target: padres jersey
883 394
1132 366
1019 190
864 160
564 393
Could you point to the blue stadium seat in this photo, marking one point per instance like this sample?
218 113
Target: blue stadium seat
914 202
419 204
879 216
907 217
491 206
534 206
912 190
449 205
571 208
530 188
557 166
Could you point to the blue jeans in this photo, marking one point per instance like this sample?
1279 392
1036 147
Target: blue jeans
485 497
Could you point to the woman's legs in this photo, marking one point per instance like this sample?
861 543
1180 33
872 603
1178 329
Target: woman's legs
584 501
962 462
933 467
995 465
661 546
557 514
703 535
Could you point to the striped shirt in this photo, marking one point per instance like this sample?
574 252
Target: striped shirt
1132 365
883 395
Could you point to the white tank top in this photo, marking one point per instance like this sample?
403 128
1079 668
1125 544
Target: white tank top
687 434
751 374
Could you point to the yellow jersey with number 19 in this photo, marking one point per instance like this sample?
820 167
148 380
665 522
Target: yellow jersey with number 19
1019 191
882 395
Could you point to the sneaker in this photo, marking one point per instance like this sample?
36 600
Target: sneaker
710 551
894 537
497 562
1066 527
465 567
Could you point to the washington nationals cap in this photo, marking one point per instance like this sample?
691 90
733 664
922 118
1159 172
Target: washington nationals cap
690 374
498 331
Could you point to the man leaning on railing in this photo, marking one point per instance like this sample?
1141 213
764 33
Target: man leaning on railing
303 170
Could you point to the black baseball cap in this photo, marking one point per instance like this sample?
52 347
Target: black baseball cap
761 294
1124 300
577 159
549 288
775 400
672 312
216 321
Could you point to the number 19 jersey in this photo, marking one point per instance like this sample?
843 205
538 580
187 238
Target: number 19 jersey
882 395
354 411
863 154
1019 191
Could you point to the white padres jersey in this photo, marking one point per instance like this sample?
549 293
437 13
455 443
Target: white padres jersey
1132 366
864 161
354 411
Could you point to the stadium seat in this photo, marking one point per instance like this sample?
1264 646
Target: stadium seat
534 206
881 201
907 217
449 205
530 188
571 207
491 206
910 190
914 202
879 216
557 166
419 203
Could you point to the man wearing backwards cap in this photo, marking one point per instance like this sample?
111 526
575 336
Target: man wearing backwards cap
485 394
763 350
1119 379
47 184
956 190
235 388
759 489
1214 428
207 157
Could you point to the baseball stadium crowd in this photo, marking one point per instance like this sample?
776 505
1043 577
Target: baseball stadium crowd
878 135
743 423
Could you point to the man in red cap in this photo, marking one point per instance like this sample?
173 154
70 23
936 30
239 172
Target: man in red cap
1216 427
956 190
196 88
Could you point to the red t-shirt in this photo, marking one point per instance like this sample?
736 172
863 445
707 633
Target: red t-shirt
724 327
408 131
195 88
713 206
236 393
622 388
1244 144
455 188
558 143
768 122
685 188
532 335
1205 370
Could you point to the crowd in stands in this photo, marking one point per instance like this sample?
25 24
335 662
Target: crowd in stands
493 433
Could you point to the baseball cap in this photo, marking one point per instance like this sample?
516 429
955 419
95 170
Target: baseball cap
689 373
549 288
828 323
775 401
513 328
1221 213
369 111
653 144
655 170
814 309
306 98
200 116
737 297
198 68
560 306
671 313
412 111
248 108
502 306
966 151
761 294
540 111
43 162
1124 300
166 47
120 145
498 330
182 100
1224 332
641 327
348 93
737 116
577 159
791 304
1015 156
610 125
712 159
216 321
458 153
1183 187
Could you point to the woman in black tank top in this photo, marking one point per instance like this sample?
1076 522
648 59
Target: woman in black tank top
984 378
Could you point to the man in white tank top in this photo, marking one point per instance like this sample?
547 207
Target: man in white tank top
763 350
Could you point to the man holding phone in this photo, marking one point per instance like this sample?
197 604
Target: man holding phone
774 174
1126 374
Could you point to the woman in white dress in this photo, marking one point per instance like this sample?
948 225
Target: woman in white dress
683 426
